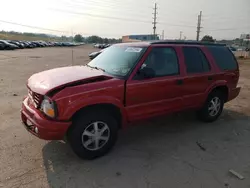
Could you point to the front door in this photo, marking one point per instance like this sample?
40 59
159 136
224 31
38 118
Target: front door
159 94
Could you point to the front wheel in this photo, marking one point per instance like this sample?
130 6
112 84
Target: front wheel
213 107
93 135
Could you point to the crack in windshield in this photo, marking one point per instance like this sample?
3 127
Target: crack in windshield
97 68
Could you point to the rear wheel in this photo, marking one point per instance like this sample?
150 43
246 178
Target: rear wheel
93 134
213 107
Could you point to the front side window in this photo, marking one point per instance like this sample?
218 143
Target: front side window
195 60
118 60
163 61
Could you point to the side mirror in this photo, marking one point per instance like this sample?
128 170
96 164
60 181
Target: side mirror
146 73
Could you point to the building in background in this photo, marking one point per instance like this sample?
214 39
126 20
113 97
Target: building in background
245 36
137 38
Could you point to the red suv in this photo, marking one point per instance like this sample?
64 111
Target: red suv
128 82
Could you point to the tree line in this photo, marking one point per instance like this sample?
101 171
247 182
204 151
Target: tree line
63 38
95 39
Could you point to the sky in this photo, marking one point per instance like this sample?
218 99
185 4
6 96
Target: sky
223 19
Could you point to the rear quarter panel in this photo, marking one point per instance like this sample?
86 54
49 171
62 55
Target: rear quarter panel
227 78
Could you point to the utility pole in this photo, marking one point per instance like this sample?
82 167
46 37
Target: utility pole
72 49
154 20
199 26
181 35
162 34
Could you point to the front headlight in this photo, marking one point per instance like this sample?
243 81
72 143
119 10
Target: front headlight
48 107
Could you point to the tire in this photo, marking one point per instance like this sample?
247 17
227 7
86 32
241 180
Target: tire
83 125
205 114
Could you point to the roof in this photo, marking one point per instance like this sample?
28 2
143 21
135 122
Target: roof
139 35
139 44
186 42
181 42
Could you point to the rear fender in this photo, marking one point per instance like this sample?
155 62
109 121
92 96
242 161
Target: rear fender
214 85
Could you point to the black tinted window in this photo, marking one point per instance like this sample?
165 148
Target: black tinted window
163 61
205 63
223 57
195 60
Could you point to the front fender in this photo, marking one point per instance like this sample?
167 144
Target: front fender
79 104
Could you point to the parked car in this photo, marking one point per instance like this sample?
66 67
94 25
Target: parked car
126 83
21 43
36 44
2 46
96 45
8 46
107 45
28 44
24 44
102 46
16 43
95 54
31 44
233 49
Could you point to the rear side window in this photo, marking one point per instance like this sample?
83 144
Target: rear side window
195 60
223 57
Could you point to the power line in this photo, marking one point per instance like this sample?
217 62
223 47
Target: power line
98 16
107 4
225 18
34 27
170 12
127 19
47 29
106 8
180 22
227 29
115 18
175 25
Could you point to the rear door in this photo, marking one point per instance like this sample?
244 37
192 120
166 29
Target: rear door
198 76
149 97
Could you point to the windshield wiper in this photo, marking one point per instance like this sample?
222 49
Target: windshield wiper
97 68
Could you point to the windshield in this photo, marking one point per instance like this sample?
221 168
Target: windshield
117 60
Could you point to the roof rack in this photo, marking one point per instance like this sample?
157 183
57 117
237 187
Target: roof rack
186 42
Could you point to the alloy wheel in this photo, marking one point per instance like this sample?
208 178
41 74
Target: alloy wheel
95 136
214 106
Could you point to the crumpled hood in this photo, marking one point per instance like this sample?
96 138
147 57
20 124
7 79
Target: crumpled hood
45 81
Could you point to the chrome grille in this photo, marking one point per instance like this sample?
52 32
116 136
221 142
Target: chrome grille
35 98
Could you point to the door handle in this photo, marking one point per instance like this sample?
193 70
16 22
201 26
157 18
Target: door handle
210 78
179 82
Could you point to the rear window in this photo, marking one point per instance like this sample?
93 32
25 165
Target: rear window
224 58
